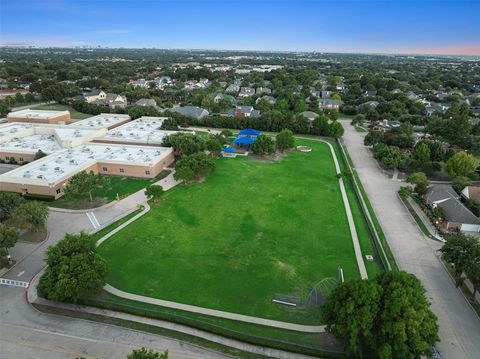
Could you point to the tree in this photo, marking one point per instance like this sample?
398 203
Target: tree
457 250
74 269
170 124
154 192
284 140
264 145
388 316
214 146
422 153
336 129
143 353
31 214
390 156
350 312
461 164
8 237
184 143
8 202
373 137
459 183
193 167
472 269
419 179
39 154
86 182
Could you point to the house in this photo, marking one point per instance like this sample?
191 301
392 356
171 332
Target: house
386 125
244 111
191 111
472 193
371 104
458 217
220 96
95 95
263 91
310 115
146 102
233 89
436 107
326 94
297 90
329 104
246 92
369 93
140 83
271 100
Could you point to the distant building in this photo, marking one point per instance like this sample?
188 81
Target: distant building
263 91
386 125
459 217
233 89
270 99
369 93
246 92
435 107
329 104
146 102
191 111
371 104
95 95
310 115
40 116
244 111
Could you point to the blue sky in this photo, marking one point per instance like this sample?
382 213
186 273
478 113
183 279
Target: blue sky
330 26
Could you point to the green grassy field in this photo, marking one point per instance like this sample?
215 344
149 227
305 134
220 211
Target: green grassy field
57 107
121 186
252 232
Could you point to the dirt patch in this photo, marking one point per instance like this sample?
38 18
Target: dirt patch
287 268
259 234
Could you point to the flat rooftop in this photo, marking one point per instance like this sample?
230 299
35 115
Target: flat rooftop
65 163
36 114
104 120
28 137
143 130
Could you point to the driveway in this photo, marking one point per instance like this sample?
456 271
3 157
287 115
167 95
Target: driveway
415 253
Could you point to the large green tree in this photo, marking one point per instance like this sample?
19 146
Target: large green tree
386 317
85 182
264 145
144 353
461 164
419 179
31 214
458 250
284 140
8 202
74 269
193 167
8 237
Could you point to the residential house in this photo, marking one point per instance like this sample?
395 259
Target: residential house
315 93
233 89
244 111
270 99
310 115
371 104
386 125
326 94
329 104
148 102
140 83
263 91
95 95
191 111
297 90
458 217
246 92
435 107
369 93
220 96
472 193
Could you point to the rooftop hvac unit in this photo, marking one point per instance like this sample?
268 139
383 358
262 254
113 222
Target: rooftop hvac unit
40 176
27 174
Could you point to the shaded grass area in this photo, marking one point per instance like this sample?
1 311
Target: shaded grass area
121 186
252 232
311 343
150 329
58 107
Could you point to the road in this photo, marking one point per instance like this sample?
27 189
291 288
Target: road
28 333
415 253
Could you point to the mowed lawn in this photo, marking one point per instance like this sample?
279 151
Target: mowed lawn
253 231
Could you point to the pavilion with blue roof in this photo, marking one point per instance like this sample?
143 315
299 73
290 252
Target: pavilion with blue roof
246 138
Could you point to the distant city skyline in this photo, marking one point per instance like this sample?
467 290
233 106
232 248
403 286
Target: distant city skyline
394 27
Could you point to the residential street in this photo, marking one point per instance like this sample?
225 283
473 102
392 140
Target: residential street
415 253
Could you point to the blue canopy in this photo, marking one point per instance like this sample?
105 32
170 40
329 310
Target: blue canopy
249 132
229 150
244 140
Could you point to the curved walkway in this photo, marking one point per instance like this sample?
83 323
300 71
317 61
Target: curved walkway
216 313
